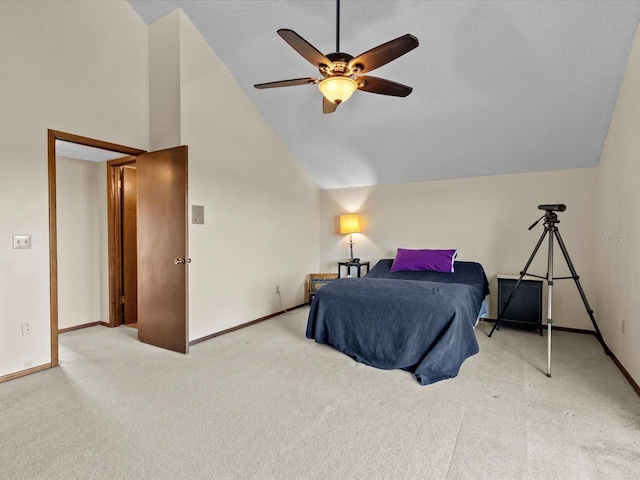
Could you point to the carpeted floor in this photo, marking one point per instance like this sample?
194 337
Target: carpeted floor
266 403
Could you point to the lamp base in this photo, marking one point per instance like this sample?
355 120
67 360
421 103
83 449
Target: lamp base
350 259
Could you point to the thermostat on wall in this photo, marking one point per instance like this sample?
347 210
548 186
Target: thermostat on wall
197 214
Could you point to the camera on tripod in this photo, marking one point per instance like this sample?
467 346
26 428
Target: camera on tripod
550 216
551 230
556 207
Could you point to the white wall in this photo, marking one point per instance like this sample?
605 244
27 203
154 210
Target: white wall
617 219
164 82
78 67
485 218
261 208
81 196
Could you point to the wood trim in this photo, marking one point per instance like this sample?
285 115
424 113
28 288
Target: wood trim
92 142
626 374
248 324
52 136
571 330
53 247
544 327
105 324
24 373
78 327
186 247
121 162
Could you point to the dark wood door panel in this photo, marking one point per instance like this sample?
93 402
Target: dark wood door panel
162 238
129 244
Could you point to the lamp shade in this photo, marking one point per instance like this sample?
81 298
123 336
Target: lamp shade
337 89
350 223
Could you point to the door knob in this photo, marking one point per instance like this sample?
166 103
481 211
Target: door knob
179 261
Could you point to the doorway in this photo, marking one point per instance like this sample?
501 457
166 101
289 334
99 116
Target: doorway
166 328
122 241
129 270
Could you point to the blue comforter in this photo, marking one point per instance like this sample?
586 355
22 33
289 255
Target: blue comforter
417 321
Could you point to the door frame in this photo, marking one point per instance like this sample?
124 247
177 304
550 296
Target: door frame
52 136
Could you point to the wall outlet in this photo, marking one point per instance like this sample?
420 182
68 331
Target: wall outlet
26 329
28 364
278 289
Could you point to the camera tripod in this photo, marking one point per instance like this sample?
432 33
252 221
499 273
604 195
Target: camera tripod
550 228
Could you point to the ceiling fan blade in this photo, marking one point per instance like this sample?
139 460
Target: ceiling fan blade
304 48
381 86
383 54
328 106
287 83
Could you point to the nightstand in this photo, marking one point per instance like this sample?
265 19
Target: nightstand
349 265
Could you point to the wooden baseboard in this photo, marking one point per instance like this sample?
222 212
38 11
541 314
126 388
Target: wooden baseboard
544 327
629 378
238 327
572 330
79 327
24 373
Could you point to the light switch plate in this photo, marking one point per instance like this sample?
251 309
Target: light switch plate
22 241
197 214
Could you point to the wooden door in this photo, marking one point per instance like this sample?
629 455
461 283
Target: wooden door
129 244
162 240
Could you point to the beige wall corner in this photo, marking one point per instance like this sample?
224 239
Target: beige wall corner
164 82
617 219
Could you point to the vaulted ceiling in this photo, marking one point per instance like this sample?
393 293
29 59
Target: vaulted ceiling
498 86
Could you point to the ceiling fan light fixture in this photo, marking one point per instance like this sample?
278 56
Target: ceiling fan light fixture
337 89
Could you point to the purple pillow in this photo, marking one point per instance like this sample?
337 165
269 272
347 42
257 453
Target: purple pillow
435 260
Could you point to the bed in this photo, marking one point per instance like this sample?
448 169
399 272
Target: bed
419 321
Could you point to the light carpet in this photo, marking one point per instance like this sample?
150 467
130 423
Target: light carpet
266 403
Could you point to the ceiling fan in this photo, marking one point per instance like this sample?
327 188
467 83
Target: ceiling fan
342 73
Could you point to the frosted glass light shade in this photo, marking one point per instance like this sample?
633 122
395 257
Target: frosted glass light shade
337 89
350 223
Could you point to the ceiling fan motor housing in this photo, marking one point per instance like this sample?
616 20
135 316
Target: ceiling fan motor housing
340 65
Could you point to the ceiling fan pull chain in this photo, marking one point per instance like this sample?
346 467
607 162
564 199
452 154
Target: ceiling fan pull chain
337 25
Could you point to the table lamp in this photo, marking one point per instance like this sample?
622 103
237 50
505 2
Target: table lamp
350 223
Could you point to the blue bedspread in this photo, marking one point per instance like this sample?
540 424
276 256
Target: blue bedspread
417 321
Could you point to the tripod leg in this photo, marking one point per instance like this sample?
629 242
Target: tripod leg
576 278
501 310
550 300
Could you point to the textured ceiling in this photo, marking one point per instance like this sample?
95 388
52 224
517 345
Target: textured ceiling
499 87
